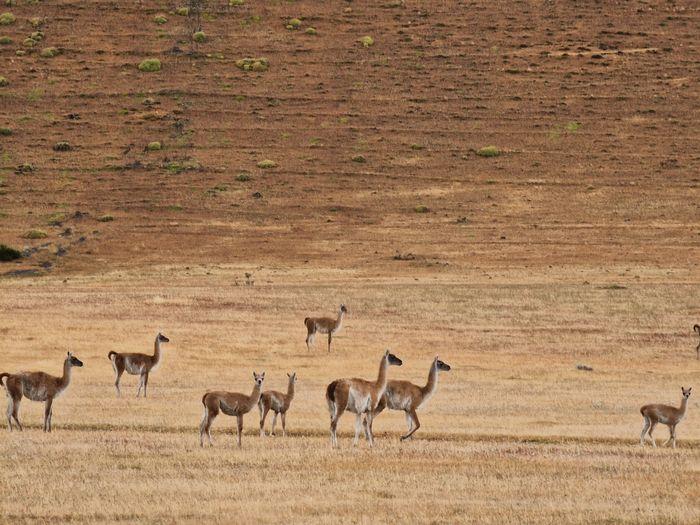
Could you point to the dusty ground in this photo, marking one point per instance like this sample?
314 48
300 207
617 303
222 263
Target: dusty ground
578 244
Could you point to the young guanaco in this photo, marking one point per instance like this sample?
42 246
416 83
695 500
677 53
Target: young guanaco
37 386
324 325
666 415
231 404
404 395
360 397
279 404
137 364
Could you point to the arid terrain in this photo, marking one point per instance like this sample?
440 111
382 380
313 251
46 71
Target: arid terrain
343 171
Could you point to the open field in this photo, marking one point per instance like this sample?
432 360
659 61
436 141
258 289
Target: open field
578 244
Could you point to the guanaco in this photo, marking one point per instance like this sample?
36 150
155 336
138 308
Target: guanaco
360 397
696 327
279 404
231 404
404 395
324 325
666 415
137 364
37 386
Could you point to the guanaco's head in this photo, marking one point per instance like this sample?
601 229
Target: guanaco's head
258 378
162 338
343 309
72 360
441 365
392 359
292 377
686 393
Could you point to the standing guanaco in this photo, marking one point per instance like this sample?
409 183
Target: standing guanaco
137 364
324 325
279 404
404 395
696 327
360 397
231 404
37 386
666 415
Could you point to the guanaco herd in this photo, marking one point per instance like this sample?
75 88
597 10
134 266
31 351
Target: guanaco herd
364 398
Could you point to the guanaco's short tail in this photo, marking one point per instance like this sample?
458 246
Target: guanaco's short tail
696 327
109 355
330 391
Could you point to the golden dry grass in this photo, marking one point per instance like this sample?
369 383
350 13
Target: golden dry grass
515 434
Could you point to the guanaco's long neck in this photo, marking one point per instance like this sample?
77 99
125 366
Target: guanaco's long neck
339 321
156 351
65 379
255 395
683 407
431 385
381 378
290 393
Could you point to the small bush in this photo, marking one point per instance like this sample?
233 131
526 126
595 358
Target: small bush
311 31
360 159
49 52
154 146
36 22
6 19
9 254
106 218
234 3
37 36
293 23
253 64
160 19
182 11
573 127
20 52
35 234
56 219
5 132
417 146
199 37
421 208
29 42
62 146
266 164
488 151
367 41
243 177
5 40
150 65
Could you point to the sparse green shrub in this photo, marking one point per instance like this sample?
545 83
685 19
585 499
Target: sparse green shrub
106 218
367 41
4 82
360 159
24 168
20 52
253 64
49 52
235 3
35 234
150 65
266 164
182 11
199 37
160 19
242 177
37 36
573 126
62 146
293 23
5 132
29 42
421 208
417 146
36 22
9 254
311 31
5 40
154 146
6 19
488 151
56 219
